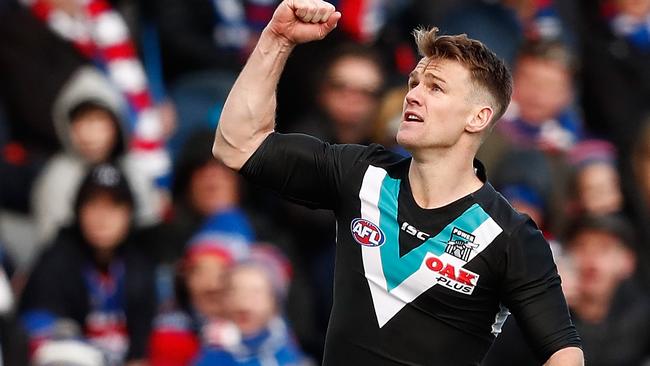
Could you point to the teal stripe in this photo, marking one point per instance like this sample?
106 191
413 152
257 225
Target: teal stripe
397 269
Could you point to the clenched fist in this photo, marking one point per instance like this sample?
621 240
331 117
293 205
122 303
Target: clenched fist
301 21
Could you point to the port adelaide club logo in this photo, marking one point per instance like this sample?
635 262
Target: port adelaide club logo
461 244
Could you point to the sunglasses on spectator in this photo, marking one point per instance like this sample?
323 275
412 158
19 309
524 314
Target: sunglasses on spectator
342 86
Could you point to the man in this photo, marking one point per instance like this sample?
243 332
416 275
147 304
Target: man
610 311
428 254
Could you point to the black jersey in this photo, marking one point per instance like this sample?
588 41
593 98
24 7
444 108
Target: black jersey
417 286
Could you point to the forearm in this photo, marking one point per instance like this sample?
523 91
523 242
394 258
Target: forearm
248 115
570 356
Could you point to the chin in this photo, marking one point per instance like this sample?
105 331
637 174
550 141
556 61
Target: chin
406 139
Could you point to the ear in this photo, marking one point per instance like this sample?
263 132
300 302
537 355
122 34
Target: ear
480 120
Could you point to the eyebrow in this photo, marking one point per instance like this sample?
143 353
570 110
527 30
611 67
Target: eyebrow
427 75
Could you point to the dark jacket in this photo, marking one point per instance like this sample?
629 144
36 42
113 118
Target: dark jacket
34 64
57 285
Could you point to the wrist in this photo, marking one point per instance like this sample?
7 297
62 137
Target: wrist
271 39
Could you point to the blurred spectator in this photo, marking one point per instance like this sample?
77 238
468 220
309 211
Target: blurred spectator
92 274
525 179
34 63
525 200
540 114
202 187
254 301
595 185
347 97
389 118
641 166
197 314
100 34
491 22
90 121
635 181
510 348
200 35
615 72
203 46
507 24
542 19
610 313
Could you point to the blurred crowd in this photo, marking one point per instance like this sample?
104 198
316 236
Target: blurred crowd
122 241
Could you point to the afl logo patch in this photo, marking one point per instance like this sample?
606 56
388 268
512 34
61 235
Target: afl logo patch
366 233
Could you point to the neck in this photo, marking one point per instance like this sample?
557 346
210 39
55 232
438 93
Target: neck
104 257
442 177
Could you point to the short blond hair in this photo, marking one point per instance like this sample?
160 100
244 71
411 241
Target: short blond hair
486 69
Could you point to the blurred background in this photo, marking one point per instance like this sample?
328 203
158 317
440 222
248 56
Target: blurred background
122 241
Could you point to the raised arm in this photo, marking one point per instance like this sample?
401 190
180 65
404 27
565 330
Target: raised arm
248 115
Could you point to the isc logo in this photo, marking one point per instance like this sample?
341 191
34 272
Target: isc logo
366 233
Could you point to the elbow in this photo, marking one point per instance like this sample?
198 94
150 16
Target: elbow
572 356
224 154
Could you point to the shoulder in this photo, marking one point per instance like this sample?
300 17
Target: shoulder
65 252
63 167
373 154
500 210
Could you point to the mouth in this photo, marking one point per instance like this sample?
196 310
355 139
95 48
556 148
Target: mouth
412 117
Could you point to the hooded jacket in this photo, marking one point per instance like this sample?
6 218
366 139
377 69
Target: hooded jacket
56 187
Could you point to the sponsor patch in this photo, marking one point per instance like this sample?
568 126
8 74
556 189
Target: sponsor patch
454 278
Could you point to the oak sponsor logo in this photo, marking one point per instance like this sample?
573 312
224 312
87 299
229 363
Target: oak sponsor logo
367 233
454 278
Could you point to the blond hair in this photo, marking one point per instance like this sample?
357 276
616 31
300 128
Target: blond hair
486 69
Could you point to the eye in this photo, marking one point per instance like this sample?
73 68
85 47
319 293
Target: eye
436 88
413 84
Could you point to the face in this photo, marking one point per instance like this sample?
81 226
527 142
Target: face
542 89
205 280
635 8
104 222
601 261
94 135
350 96
213 187
599 189
250 301
438 106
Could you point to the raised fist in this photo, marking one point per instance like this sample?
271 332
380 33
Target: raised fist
301 21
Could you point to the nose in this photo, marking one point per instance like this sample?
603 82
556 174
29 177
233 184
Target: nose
413 97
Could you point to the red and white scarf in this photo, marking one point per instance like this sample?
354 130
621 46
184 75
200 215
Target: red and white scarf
100 34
